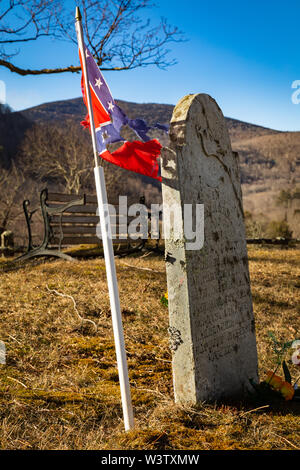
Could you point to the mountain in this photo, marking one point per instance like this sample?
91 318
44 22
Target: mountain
12 129
75 109
269 159
270 163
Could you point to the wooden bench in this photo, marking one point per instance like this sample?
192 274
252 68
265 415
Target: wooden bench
71 220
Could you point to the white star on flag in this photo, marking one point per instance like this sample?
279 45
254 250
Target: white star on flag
98 83
86 53
110 105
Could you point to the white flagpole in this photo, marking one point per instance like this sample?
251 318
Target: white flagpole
108 251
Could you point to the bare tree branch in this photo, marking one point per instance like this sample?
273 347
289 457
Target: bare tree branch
11 184
59 152
115 32
20 71
26 20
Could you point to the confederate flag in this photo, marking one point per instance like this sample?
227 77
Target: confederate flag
109 118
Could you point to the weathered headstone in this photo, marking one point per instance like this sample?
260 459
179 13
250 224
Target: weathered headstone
7 239
212 331
6 243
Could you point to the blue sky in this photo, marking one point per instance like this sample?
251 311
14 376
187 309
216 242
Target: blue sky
244 54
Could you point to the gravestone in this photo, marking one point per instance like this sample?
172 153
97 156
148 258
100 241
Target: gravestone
212 331
7 239
6 243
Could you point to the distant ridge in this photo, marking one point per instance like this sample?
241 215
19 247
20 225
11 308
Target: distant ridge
152 112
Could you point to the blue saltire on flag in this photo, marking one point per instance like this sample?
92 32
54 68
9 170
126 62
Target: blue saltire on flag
109 118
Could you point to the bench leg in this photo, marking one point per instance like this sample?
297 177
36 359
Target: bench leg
43 252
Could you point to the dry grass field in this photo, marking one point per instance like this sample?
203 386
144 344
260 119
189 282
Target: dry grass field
59 387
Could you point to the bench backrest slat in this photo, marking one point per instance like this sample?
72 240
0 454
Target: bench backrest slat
80 229
84 240
57 197
75 219
60 197
84 209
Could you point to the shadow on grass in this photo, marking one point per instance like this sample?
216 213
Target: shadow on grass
259 403
266 259
265 299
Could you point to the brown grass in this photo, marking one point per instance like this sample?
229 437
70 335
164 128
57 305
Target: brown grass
59 388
